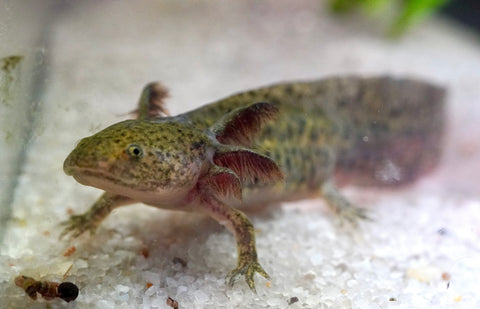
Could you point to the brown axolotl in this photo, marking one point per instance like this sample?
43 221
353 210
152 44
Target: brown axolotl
283 142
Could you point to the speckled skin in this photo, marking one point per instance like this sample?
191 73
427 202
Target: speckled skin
369 131
362 121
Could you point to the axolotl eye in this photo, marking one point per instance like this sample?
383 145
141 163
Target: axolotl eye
134 151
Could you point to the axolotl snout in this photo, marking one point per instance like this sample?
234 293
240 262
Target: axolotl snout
283 142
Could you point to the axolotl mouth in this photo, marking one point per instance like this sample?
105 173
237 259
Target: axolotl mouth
165 197
94 173
151 193
96 177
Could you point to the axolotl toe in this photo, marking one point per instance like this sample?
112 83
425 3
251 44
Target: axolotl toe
278 143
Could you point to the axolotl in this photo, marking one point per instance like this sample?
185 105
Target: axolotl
278 143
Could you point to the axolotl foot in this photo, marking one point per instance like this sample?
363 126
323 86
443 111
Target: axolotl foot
342 207
353 215
248 270
78 224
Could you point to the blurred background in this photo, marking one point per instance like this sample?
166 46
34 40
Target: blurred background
466 12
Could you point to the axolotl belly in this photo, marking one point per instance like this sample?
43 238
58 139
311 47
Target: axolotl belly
283 142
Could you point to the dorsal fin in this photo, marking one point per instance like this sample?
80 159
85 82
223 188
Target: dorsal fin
250 166
152 102
240 126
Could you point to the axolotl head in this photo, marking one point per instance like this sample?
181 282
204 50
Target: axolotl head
143 160
166 161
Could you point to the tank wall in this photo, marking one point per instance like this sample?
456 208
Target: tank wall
23 25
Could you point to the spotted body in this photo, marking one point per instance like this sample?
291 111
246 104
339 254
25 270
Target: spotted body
284 142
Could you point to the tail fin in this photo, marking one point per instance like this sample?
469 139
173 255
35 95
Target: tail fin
397 131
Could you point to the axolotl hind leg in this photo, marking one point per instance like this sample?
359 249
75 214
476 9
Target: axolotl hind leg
340 205
346 211
315 165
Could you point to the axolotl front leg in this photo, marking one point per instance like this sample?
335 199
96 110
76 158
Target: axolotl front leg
232 167
241 227
91 219
169 163
221 182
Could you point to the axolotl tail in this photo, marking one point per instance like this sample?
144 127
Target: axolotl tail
396 130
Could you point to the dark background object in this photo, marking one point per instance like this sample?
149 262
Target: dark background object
467 12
